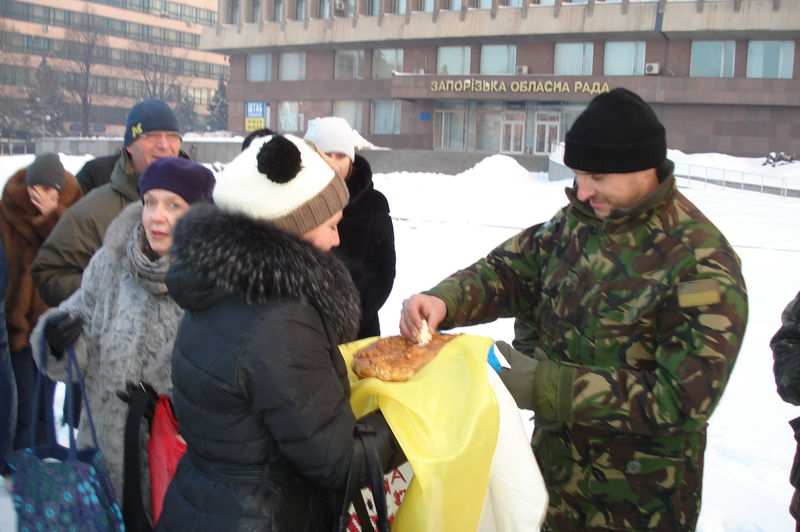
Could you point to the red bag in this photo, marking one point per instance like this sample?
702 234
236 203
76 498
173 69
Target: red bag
165 448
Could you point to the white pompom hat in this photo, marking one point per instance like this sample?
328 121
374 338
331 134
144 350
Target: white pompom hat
285 180
332 134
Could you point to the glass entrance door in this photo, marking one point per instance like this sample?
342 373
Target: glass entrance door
512 137
449 130
548 126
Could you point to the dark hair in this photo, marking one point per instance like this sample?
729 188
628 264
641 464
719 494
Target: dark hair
265 132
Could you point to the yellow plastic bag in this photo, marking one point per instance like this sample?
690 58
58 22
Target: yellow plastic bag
446 420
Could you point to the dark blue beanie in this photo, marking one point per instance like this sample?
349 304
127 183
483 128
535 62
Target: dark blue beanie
148 115
186 178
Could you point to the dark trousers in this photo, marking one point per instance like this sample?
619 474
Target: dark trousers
8 406
25 372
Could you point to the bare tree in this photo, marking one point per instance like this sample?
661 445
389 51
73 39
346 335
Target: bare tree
156 69
85 45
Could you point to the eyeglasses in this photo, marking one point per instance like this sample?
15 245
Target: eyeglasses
155 135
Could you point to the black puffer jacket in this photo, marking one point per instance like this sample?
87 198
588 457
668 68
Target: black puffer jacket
367 245
259 386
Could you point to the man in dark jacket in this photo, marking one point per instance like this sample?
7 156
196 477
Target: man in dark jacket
786 354
366 231
151 132
631 308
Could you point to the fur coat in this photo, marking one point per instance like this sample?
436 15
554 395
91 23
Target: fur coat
129 328
23 229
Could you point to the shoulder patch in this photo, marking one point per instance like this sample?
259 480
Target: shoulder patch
697 293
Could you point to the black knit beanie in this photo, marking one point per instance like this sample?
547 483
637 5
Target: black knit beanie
617 133
186 178
45 170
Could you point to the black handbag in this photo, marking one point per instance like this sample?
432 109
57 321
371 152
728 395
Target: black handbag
372 461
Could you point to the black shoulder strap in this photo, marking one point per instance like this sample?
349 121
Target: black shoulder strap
141 403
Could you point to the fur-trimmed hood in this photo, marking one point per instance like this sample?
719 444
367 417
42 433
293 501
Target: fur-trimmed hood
220 254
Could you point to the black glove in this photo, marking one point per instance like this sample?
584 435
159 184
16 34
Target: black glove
62 331
519 378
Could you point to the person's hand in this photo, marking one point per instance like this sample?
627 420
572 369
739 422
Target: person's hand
419 307
43 198
519 378
62 331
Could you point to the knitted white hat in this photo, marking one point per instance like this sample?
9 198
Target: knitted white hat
282 179
332 134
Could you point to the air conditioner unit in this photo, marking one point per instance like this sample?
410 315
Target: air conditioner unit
419 71
45 28
521 69
652 69
339 5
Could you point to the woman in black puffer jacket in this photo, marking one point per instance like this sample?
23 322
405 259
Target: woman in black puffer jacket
259 386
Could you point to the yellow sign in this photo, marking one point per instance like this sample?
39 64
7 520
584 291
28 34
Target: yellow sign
254 124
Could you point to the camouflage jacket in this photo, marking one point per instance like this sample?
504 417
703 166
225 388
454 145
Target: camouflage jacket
786 353
638 318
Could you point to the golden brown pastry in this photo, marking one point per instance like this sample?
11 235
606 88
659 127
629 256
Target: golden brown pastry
395 359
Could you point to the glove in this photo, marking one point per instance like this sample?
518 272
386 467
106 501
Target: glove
62 331
519 378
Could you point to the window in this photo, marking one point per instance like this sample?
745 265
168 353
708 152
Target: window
453 60
350 110
770 59
292 66
712 59
624 59
374 7
324 7
259 67
302 10
290 119
278 11
385 60
348 64
234 13
385 117
574 59
498 59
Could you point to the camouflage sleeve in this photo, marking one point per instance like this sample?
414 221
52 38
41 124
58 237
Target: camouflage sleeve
503 284
786 353
697 334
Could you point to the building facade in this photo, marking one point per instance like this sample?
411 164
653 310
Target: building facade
510 76
140 48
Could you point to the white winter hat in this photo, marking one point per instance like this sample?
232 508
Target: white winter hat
332 134
285 180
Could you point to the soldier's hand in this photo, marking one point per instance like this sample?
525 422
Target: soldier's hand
419 307
519 378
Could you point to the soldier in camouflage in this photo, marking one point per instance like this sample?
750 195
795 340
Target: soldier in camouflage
630 310
786 353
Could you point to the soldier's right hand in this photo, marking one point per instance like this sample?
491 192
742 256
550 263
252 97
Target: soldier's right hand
419 307
62 331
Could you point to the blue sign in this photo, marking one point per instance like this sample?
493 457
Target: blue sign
425 117
254 110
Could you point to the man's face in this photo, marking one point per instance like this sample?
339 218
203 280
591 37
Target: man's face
153 145
606 192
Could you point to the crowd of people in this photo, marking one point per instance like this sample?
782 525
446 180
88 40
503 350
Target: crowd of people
230 294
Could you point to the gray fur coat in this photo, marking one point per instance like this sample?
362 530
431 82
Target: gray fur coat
129 329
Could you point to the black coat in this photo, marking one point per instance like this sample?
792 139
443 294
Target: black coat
8 386
259 386
96 172
367 245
